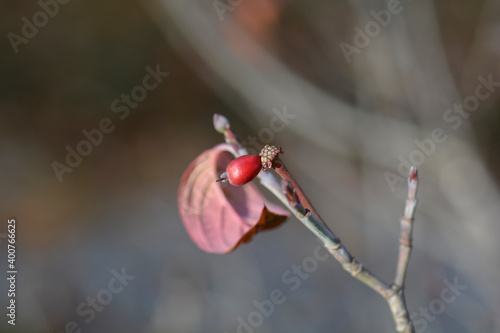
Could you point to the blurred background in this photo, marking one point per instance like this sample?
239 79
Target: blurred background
353 91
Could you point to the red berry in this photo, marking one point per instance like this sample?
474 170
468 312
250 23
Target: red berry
242 170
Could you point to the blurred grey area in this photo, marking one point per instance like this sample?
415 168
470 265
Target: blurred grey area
354 92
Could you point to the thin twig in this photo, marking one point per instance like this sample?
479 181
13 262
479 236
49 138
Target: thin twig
405 241
282 170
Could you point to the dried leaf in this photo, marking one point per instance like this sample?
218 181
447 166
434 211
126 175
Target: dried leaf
219 217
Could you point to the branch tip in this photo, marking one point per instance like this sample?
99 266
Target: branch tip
413 174
221 123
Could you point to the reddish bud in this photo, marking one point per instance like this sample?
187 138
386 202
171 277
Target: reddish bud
413 174
241 170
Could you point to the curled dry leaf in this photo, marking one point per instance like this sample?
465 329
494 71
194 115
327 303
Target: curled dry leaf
219 217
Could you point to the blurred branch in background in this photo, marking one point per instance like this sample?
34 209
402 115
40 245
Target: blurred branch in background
419 84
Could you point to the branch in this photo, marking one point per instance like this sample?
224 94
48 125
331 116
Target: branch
394 295
292 196
330 241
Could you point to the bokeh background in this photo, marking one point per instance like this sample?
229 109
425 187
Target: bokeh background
353 119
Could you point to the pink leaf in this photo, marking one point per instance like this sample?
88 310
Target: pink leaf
219 217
